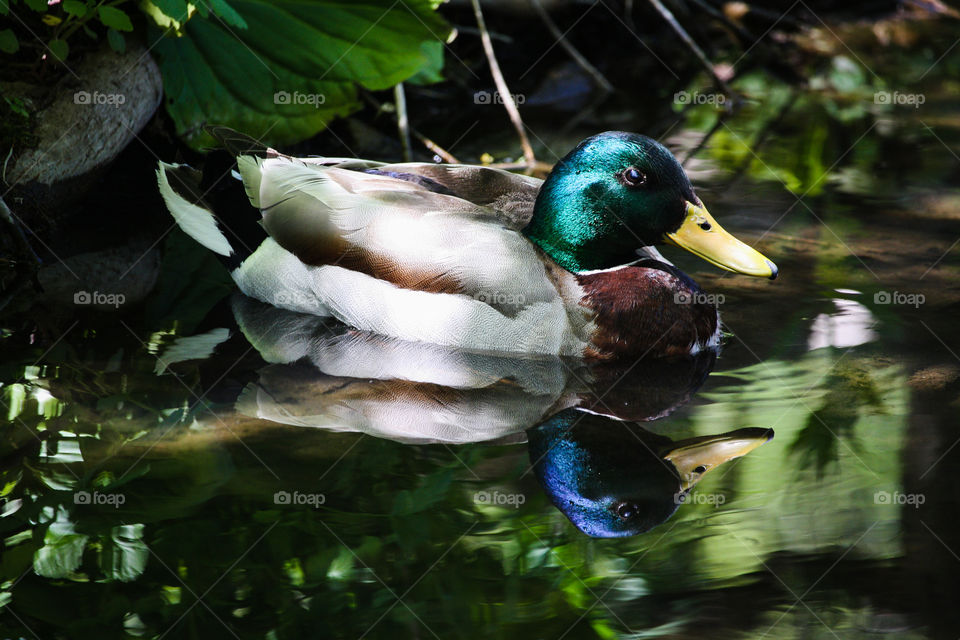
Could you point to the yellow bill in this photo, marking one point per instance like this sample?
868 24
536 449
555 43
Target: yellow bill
693 458
701 235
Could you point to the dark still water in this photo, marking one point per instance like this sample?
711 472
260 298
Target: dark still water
201 465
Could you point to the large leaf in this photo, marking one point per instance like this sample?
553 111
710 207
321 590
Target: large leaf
295 67
115 18
62 550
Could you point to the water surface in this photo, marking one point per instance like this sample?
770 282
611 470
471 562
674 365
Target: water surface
140 499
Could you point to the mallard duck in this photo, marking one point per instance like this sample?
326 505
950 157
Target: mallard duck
614 479
475 257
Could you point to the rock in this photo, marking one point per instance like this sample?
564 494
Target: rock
83 122
106 280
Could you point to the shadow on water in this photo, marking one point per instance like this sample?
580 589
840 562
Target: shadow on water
174 467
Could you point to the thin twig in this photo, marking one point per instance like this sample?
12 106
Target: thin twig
628 16
6 215
730 24
598 77
403 124
23 276
505 96
697 51
445 155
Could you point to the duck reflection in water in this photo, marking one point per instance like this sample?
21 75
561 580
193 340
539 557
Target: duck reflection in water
615 479
607 474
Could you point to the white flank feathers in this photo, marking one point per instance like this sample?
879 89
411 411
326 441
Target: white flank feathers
274 275
403 224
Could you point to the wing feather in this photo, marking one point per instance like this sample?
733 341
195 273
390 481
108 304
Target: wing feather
399 231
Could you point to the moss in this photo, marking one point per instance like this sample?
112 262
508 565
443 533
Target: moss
17 125
17 133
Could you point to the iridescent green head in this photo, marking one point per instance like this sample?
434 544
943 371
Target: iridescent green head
616 192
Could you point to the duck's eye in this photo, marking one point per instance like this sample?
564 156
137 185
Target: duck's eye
626 510
706 226
633 177
700 469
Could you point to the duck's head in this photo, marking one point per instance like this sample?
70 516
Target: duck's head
617 192
614 479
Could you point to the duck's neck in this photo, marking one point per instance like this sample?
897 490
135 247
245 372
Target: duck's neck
568 225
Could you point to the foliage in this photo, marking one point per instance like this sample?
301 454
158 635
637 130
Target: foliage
298 68
16 123
278 69
837 127
62 20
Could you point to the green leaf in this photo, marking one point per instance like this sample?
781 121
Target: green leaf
61 558
176 9
115 18
8 41
430 72
62 549
286 79
4 7
75 8
228 13
115 38
40 6
59 48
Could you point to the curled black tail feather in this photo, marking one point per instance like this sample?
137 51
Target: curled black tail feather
218 191
225 193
